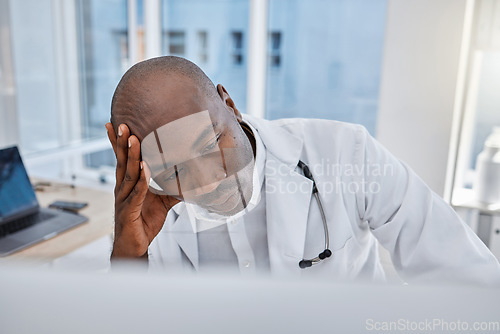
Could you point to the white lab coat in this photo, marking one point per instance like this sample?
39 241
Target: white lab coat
426 239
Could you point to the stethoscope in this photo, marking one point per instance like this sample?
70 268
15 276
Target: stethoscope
327 252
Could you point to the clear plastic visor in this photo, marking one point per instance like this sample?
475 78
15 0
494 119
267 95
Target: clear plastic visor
201 161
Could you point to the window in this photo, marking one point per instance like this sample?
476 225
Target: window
487 104
202 46
68 56
329 64
121 38
214 40
237 47
34 70
103 46
482 107
275 49
177 43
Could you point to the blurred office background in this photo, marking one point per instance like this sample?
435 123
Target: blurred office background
421 75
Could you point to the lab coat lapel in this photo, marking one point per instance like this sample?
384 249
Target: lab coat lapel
186 238
288 196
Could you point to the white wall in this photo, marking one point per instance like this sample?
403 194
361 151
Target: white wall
419 80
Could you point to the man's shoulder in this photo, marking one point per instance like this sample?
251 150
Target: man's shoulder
316 123
307 127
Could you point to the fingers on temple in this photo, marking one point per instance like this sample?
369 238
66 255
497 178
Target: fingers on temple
138 193
132 170
121 154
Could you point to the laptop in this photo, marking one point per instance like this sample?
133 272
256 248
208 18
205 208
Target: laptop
22 221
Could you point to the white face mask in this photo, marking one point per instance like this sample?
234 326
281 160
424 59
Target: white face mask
207 163
206 219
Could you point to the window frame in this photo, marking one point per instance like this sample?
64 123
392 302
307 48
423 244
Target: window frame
480 30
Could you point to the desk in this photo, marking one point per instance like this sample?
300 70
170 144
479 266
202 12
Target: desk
99 212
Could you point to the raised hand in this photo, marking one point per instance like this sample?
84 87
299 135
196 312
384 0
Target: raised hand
139 214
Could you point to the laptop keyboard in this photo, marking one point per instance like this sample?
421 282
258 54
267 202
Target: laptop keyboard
24 222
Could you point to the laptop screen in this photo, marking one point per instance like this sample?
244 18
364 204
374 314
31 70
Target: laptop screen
16 192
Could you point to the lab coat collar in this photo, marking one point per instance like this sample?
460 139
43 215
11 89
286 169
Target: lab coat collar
282 145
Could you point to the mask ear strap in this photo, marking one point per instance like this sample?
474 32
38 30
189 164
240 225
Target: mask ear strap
246 128
155 188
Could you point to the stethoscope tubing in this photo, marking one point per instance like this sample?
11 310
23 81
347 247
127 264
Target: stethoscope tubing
326 253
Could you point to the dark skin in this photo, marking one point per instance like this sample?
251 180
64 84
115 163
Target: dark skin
139 213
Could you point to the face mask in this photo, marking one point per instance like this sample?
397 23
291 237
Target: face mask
207 163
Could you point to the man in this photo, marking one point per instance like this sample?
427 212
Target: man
233 191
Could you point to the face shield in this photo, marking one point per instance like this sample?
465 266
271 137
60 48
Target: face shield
201 161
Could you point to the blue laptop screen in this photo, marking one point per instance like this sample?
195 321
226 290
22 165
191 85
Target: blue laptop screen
16 192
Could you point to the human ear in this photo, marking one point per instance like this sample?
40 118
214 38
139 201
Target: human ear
228 101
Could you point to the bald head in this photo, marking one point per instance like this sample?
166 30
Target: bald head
160 90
